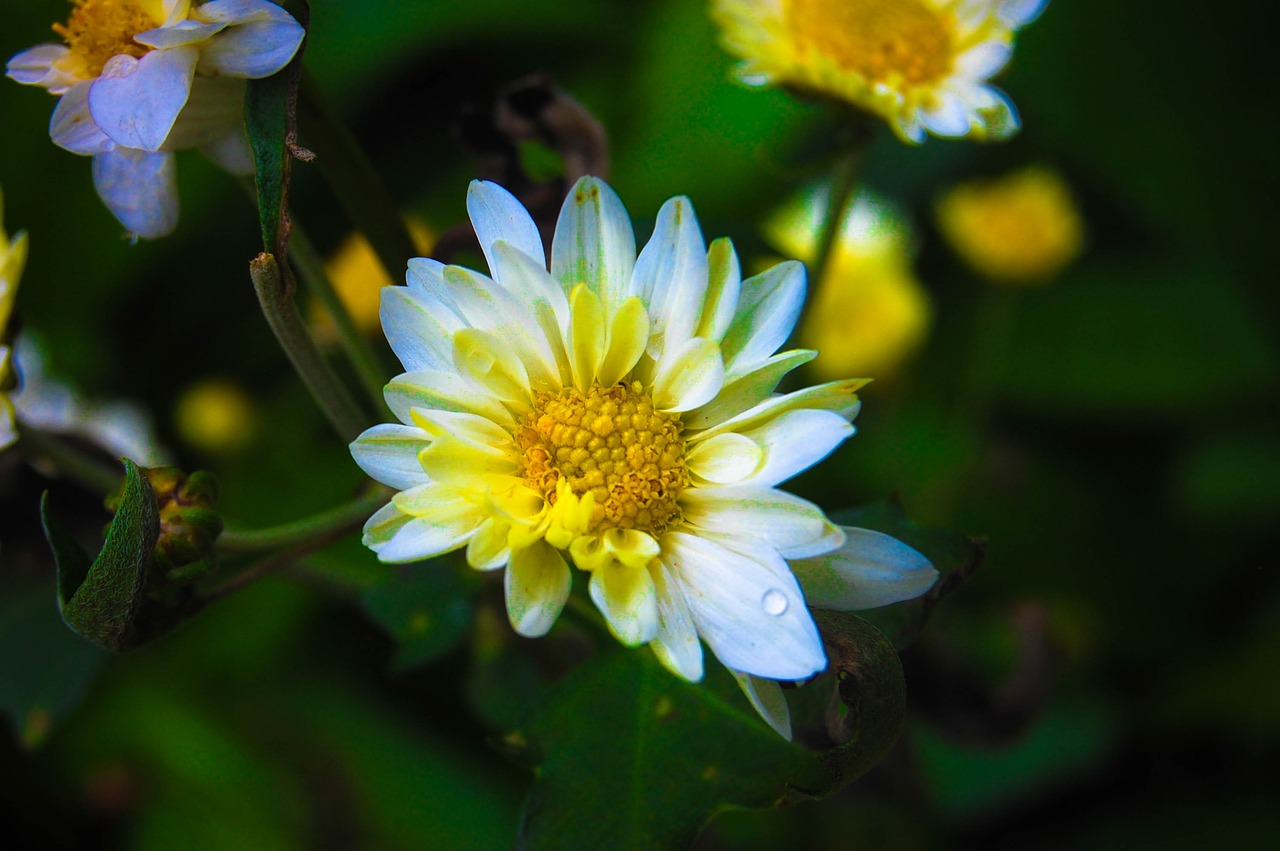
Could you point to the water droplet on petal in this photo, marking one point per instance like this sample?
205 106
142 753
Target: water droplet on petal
774 602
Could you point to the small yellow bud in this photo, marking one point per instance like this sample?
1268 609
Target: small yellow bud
217 417
1021 229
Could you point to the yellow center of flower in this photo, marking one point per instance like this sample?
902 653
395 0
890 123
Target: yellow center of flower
100 29
610 443
883 40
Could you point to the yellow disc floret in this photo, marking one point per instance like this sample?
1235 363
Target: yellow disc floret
883 40
613 449
100 29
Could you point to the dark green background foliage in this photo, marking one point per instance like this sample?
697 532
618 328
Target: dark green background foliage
1106 679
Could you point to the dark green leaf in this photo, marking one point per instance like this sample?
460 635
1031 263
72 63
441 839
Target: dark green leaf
269 115
630 756
103 604
426 608
955 556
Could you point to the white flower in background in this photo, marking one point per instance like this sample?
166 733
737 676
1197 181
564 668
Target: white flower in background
922 65
618 414
13 257
140 79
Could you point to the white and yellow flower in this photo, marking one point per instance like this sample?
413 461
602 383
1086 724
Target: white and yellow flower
13 257
922 65
617 413
139 79
869 313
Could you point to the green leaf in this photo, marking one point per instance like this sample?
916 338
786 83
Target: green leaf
955 556
426 608
102 601
630 756
269 111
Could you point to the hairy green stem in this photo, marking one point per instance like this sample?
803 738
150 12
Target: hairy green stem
70 460
369 366
362 193
331 395
339 520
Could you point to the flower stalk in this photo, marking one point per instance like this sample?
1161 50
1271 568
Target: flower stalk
297 533
275 295
844 185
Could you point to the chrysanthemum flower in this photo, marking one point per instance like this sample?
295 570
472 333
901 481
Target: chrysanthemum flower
139 79
1020 229
617 413
919 64
13 257
869 312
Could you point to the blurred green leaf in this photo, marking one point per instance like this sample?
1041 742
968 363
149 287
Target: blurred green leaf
1232 478
1138 339
956 557
426 608
101 602
630 756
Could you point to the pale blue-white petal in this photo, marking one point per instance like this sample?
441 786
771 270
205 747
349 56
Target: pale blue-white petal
35 67
767 313
537 584
949 116
871 570
214 110
794 442
260 38
985 60
442 390
747 390
594 243
795 527
72 127
750 612
140 188
1019 13
496 214
418 328
676 643
670 276
388 453
420 539
766 698
136 101
180 33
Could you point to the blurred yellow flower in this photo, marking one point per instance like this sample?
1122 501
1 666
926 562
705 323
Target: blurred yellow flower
13 256
358 278
922 65
216 416
1023 228
869 313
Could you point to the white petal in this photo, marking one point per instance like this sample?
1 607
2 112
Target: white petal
838 396
985 60
497 215
1019 13
214 110
628 600
383 526
389 454
766 316
795 527
689 376
72 127
442 390
487 359
748 390
766 697
260 40
232 152
180 33
724 459
749 611
136 101
418 328
949 117
676 643
871 570
671 277
724 287
140 188
36 67
528 279
420 539
537 586
795 441
594 243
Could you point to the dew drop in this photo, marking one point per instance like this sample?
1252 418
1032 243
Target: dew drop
774 602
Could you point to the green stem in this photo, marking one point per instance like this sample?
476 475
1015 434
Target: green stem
362 193
93 473
844 183
320 526
368 365
276 297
